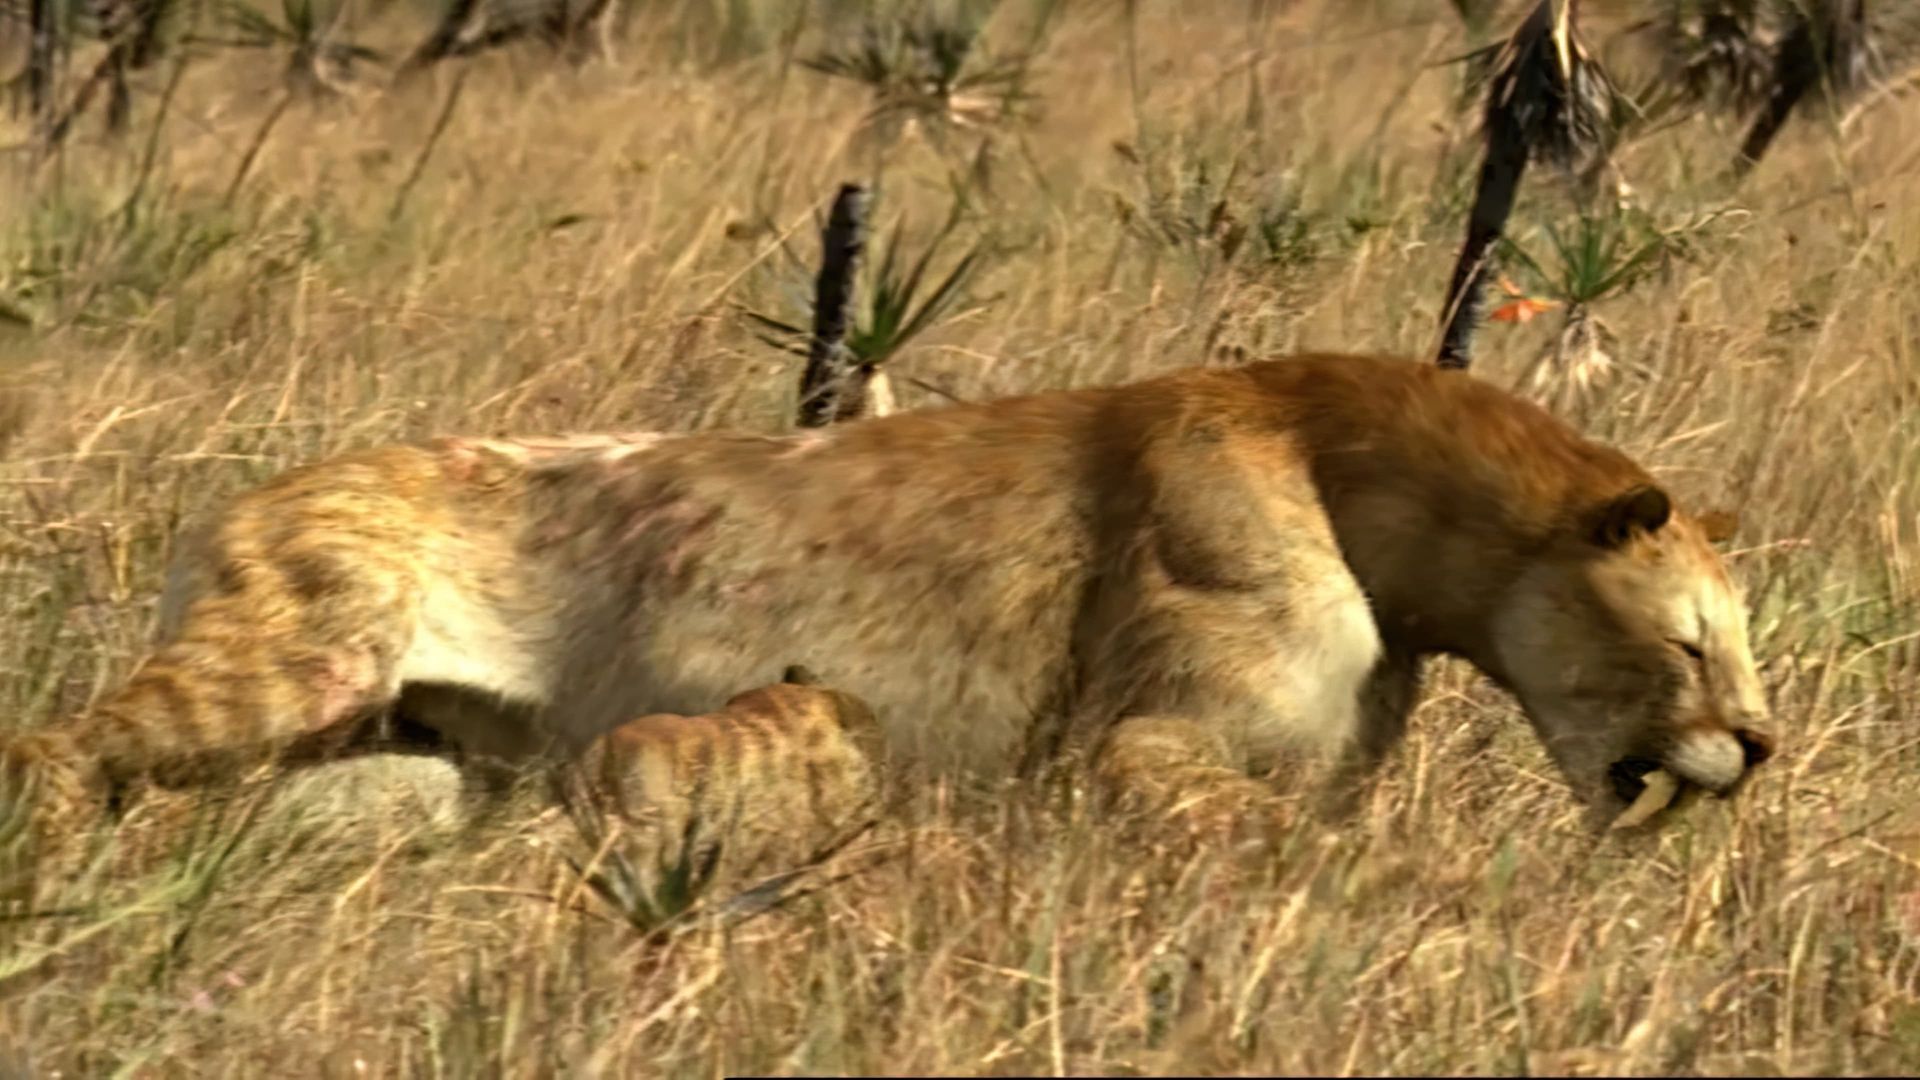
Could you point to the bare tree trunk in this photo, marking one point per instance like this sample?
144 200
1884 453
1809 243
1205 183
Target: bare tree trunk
834 385
1493 198
1545 98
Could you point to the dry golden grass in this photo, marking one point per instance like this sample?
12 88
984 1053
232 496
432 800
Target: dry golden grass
565 261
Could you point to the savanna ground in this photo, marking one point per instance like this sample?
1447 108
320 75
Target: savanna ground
226 291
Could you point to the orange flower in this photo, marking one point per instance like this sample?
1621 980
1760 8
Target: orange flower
1522 309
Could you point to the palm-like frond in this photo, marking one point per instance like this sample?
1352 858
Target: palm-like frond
649 898
931 67
1607 253
1763 58
1547 100
894 319
1543 88
1733 53
898 306
1717 51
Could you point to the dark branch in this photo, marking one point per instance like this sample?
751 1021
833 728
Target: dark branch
1825 45
834 385
1536 110
445 37
41 54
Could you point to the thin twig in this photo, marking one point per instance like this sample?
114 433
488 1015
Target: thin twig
152 154
433 139
56 132
254 147
441 42
938 391
1881 95
777 243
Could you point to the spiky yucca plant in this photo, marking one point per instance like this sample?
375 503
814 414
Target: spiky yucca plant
928 71
1768 56
1546 99
1765 59
650 899
902 302
468 27
1716 51
1605 253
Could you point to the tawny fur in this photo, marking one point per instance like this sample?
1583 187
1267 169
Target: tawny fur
777 771
1265 553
